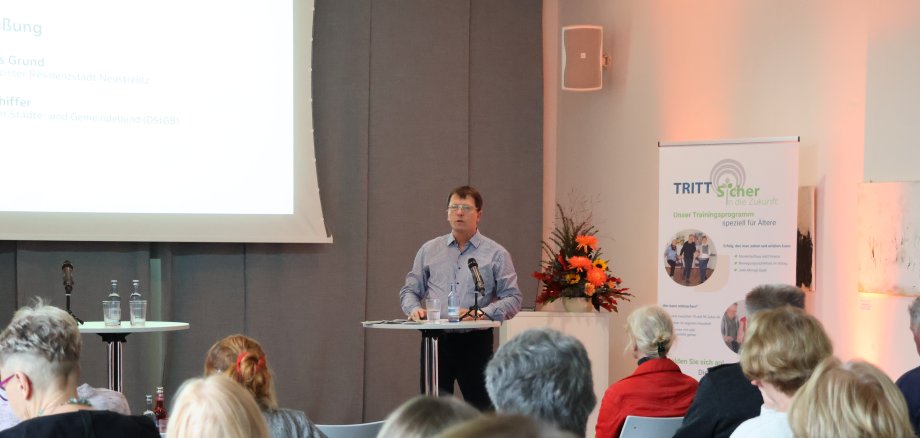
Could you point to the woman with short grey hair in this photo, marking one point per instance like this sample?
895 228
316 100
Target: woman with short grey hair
657 388
39 371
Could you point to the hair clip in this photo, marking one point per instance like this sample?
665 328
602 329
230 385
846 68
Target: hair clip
239 359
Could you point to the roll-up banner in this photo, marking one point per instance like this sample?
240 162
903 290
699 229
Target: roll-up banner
727 223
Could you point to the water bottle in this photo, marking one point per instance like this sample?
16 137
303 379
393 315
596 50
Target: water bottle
135 290
453 306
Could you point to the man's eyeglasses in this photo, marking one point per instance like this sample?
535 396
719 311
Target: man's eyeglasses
3 386
453 208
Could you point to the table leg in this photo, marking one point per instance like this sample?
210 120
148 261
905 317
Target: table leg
115 367
431 362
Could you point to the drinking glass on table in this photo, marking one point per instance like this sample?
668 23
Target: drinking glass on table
433 309
111 312
138 312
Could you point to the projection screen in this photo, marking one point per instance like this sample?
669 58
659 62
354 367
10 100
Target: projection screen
158 121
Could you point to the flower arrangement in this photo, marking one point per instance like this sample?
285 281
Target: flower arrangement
574 267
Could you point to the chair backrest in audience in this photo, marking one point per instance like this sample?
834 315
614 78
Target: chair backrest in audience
650 427
363 430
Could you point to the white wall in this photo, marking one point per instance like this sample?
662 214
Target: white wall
716 69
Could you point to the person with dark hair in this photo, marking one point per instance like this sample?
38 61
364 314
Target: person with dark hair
909 383
725 397
688 253
545 375
441 267
670 255
242 359
657 388
39 371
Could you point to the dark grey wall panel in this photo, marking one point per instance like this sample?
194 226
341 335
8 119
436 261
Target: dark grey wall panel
419 121
506 128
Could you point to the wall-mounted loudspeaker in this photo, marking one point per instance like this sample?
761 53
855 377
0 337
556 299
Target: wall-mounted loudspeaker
583 58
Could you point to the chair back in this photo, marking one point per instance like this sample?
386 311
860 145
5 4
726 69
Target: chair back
649 427
363 430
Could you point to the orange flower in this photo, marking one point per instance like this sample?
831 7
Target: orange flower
597 277
581 263
585 242
589 289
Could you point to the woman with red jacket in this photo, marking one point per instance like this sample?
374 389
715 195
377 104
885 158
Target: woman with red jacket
657 388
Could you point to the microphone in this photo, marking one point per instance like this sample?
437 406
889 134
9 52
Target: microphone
477 277
68 276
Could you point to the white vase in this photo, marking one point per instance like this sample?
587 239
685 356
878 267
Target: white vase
577 304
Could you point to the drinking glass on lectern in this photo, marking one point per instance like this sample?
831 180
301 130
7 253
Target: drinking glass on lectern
433 309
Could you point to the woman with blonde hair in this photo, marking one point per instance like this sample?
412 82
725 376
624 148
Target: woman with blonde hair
783 347
853 399
423 417
657 388
242 359
215 406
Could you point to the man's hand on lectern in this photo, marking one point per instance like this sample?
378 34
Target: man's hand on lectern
417 314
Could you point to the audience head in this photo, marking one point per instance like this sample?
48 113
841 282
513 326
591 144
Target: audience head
771 296
215 406
914 311
423 416
543 374
504 426
41 347
783 347
242 359
853 399
649 332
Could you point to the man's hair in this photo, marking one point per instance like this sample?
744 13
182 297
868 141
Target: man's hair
914 310
216 406
425 416
771 296
853 399
648 326
464 192
545 375
783 347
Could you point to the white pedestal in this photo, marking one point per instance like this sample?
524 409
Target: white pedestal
592 329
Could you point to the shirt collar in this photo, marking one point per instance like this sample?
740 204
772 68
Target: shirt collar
476 240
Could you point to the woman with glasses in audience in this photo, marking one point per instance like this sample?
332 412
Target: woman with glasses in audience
39 371
242 360
657 388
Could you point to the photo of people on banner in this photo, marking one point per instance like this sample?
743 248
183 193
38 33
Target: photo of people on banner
690 258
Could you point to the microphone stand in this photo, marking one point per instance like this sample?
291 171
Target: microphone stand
68 288
474 311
